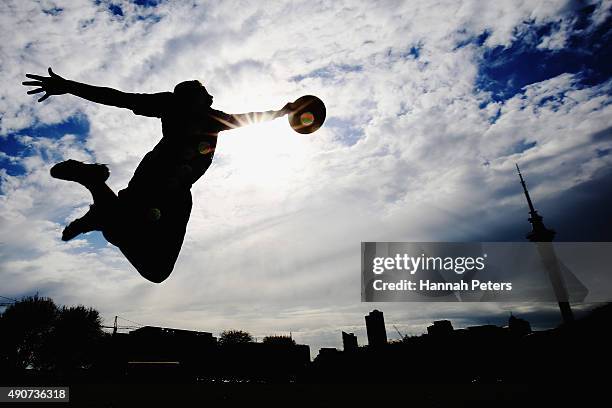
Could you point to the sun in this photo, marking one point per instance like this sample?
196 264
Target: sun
266 154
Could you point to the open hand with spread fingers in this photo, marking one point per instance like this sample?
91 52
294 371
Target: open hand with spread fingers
51 85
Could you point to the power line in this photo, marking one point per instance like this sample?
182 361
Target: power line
131 321
121 327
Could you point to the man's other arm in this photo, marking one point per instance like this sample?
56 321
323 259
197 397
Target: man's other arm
57 85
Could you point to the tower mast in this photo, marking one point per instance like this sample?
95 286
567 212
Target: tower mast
544 236
539 232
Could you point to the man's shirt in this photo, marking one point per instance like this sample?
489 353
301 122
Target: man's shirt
187 147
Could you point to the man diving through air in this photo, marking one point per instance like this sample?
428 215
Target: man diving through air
147 220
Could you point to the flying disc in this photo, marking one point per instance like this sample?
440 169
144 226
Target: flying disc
308 115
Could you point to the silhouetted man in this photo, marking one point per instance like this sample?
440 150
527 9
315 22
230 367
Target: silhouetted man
147 220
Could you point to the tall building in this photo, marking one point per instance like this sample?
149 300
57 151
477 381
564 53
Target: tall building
349 342
544 236
375 326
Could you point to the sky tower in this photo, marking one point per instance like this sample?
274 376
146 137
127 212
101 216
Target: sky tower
543 237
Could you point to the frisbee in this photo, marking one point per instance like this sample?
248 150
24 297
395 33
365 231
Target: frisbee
309 114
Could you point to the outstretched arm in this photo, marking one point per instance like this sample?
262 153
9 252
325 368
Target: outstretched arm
56 85
241 119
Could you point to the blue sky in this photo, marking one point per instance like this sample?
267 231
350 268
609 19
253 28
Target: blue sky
504 71
429 107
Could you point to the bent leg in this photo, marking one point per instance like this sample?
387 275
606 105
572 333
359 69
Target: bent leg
93 177
151 233
104 198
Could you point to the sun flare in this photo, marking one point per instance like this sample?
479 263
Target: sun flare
266 154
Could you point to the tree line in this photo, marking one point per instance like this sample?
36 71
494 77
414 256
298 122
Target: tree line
39 335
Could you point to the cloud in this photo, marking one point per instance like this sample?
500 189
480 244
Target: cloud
273 241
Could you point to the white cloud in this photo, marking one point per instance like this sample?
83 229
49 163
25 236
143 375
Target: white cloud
558 38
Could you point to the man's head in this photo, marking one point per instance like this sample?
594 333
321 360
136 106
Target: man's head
193 93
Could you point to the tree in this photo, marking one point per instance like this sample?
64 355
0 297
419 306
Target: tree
75 339
234 337
25 326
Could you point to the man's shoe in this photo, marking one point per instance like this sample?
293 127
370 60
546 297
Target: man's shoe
72 230
87 223
73 170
